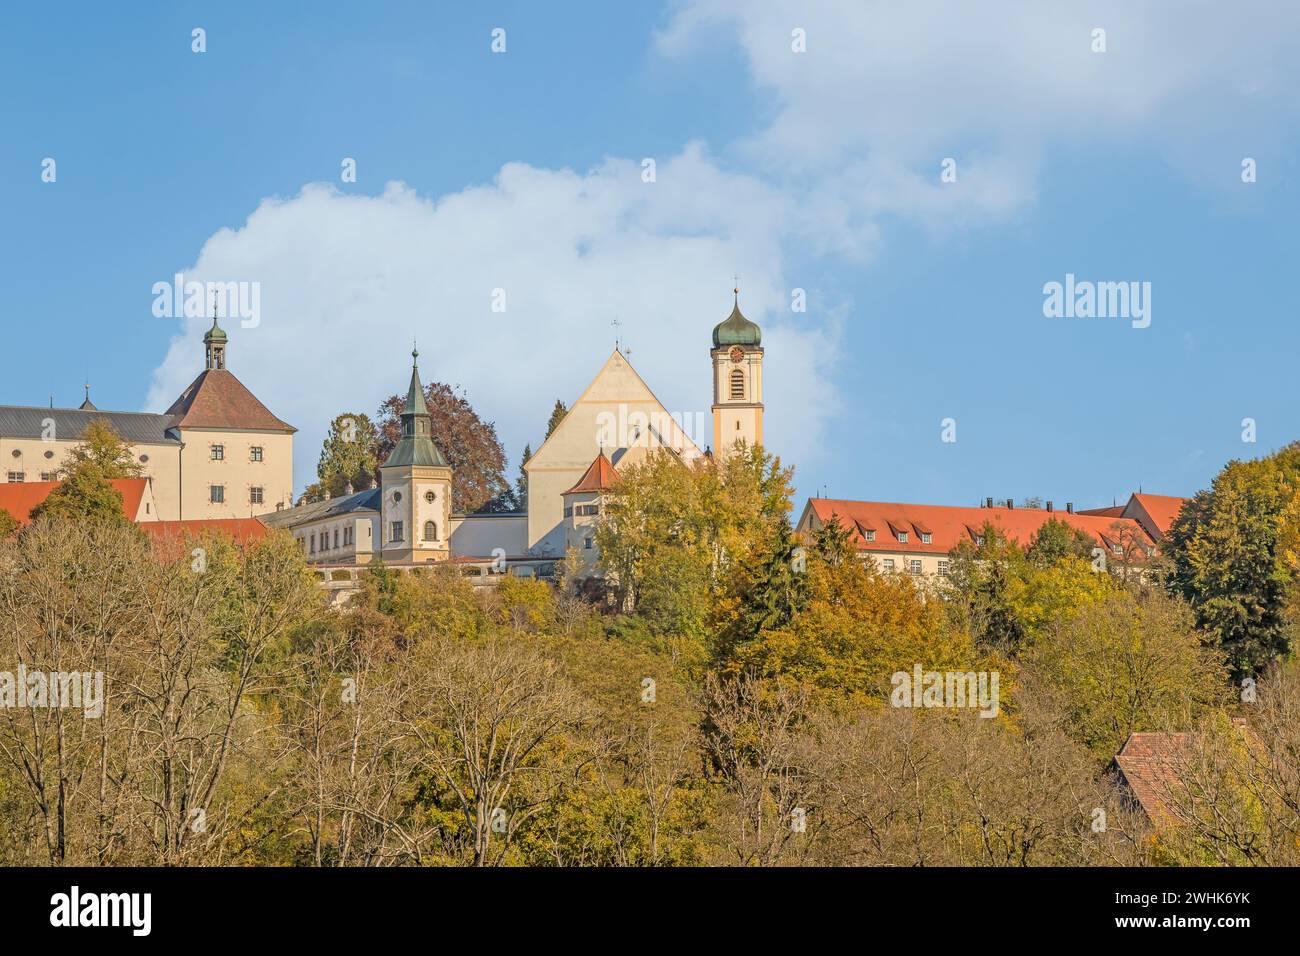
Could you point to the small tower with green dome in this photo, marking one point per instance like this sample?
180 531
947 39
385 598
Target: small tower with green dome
214 344
415 482
737 381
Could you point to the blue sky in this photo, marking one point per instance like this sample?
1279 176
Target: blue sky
816 170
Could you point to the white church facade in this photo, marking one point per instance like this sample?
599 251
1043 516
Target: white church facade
616 422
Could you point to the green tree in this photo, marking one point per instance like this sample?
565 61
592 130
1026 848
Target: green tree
1004 596
1228 557
557 416
84 495
521 482
348 456
8 524
1055 540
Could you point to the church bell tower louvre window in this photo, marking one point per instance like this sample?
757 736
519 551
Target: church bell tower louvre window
737 384
214 344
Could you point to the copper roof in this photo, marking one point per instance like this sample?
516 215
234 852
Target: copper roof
216 399
599 476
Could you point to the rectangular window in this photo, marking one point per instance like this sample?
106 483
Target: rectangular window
902 537
395 531
17 477
255 453
914 566
49 476
217 494
313 542
568 511
943 568
336 537
870 536
925 538
889 564
588 543
255 495
218 452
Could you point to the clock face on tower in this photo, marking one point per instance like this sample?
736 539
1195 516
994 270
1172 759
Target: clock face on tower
737 353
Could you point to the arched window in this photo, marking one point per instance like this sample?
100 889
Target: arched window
737 383
430 531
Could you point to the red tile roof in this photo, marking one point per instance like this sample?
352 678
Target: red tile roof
20 498
170 536
1114 511
1150 763
600 476
948 526
216 399
1163 509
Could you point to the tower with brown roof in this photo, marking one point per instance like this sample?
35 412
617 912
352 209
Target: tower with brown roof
236 457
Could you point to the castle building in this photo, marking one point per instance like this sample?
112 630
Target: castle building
216 453
615 423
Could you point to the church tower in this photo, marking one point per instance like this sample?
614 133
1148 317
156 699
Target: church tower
737 382
415 502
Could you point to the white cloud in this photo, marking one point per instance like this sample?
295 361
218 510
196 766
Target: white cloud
348 281
886 90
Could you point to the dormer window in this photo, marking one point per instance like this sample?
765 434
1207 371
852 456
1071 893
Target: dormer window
926 537
902 537
869 535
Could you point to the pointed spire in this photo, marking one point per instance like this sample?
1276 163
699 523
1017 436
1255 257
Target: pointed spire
415 404
416 446
88 405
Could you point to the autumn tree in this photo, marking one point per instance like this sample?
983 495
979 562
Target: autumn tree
1132 661
1005 598
103 448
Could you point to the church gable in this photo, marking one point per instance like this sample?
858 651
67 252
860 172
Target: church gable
616 412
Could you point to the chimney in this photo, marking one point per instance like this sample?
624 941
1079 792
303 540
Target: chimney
1049 506
1069 507
347 489
1011 503
988 502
